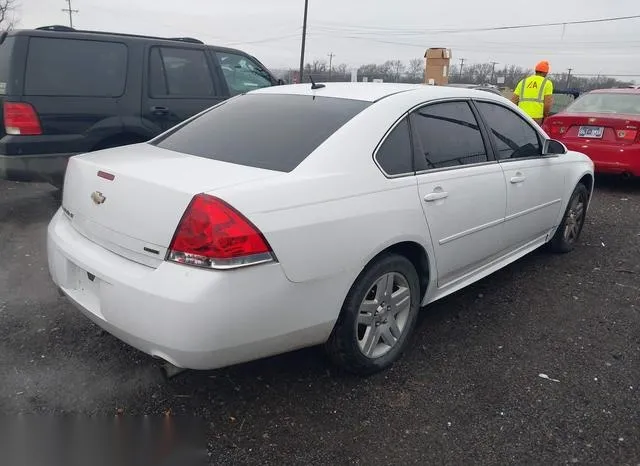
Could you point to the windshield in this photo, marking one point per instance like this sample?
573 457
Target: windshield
626 103
271 131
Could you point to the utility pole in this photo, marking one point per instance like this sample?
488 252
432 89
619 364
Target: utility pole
493 70
462 60
569 77
331 55
71 11
304 37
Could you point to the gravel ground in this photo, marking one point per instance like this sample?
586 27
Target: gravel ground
468 391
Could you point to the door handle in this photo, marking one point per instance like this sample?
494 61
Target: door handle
518 179
159 110
436 196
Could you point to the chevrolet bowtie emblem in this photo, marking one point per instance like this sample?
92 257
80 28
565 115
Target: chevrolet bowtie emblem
98 198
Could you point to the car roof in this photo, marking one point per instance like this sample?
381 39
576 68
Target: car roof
69 33
372 92
616 91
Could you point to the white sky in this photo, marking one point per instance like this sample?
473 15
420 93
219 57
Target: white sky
356 30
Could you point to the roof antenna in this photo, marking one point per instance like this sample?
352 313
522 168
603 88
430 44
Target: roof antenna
315 86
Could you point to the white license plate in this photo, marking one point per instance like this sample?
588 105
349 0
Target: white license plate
592 132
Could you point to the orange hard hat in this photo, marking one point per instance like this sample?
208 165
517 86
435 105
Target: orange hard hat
543 66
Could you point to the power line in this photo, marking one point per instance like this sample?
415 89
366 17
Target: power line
369 29
71 12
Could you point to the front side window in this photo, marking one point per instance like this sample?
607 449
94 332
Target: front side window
274 132
242 74
179 72
447 135
395 155
512 136
71 67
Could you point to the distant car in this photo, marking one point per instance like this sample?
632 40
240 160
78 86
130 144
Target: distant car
562 98
295 216
605 125
480 87
65 92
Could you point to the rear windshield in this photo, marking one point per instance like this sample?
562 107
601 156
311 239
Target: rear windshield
626 103
71 67
275 132
5 61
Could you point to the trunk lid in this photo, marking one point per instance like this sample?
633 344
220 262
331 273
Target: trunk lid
616 128
130 199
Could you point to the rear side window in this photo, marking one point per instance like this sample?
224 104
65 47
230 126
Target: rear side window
180 73
395 155
274 132
447 135
71 67
5 62
513 137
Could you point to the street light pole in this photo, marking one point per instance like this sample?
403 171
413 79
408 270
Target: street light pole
304 38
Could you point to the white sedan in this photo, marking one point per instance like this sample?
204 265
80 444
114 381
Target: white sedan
295 216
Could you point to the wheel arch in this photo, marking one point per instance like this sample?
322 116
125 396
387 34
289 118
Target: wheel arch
416 253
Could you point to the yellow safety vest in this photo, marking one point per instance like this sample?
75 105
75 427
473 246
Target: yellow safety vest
531 92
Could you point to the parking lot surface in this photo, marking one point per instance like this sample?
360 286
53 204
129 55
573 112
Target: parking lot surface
537 364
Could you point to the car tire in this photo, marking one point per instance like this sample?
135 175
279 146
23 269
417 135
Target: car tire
566 236
376 320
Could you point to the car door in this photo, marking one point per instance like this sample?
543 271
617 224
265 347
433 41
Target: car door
461 188
534 184
180 83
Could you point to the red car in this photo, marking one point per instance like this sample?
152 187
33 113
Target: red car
605 125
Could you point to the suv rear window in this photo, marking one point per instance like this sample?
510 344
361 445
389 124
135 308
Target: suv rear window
5 62
275 132
71 67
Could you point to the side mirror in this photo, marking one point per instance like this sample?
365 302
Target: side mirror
552 147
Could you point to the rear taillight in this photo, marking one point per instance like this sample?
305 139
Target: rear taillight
21 118
627 134
555 128
213 234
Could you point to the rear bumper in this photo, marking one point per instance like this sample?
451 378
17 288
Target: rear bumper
609 158
192 318
49 168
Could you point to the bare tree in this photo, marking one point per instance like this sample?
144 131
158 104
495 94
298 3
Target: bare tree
7 14
416 70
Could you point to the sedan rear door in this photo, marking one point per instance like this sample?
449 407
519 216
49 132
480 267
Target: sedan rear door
461 189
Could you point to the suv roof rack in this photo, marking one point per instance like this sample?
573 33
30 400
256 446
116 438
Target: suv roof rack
59 28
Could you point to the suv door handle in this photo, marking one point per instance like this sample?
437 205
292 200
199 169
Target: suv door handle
518 179
158 110
436 196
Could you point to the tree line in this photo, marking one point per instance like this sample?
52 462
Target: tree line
476 73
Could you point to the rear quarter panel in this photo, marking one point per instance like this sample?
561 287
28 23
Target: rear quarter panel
336 211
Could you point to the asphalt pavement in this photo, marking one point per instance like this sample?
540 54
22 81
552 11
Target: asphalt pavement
537 364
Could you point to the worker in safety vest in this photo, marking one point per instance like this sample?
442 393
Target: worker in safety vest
534 94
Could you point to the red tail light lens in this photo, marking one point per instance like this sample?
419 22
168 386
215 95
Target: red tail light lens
213 234
627 134
21 118
555 128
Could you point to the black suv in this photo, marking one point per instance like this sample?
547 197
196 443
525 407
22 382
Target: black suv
65 92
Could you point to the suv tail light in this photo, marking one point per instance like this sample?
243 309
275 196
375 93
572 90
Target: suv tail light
212 234
21 119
